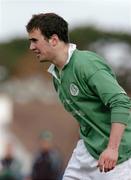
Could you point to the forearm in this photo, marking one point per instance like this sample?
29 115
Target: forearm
108 158
116 133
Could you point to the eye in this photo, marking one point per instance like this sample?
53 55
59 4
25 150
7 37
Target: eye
33 40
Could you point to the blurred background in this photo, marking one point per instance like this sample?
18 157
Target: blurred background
28 102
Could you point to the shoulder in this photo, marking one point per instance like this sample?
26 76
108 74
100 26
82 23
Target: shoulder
88 58
88 63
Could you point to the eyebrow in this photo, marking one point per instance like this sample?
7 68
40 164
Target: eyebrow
32 39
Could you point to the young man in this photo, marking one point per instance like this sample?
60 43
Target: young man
88 89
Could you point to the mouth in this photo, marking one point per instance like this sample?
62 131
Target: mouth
37 54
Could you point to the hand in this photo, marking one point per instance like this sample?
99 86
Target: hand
108 159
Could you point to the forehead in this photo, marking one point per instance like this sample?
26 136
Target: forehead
35 33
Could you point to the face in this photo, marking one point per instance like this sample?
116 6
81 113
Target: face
41 46
45 145
9 150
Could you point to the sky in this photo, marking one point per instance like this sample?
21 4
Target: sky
107 14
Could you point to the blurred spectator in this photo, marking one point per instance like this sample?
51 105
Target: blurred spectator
10 166
48 163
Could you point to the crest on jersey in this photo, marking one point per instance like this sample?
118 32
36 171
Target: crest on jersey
74 90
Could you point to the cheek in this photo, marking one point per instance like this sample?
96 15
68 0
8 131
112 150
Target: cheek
42 47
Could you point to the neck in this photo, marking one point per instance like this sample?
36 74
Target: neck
61 56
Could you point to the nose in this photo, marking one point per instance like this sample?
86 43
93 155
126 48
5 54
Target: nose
32 46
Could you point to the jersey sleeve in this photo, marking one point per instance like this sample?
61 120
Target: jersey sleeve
112 95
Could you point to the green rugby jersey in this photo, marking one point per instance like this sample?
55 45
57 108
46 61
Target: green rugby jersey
88 89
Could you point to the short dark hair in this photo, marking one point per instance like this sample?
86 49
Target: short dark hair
49 24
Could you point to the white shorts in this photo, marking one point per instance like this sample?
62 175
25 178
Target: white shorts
82 166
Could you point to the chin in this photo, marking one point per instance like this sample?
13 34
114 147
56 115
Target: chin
40 59
43 60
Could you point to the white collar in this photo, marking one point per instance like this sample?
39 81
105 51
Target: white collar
71 49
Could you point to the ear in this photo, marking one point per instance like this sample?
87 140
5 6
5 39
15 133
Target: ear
54 40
